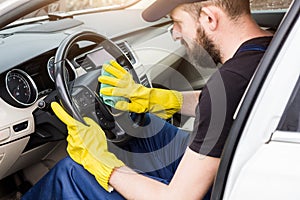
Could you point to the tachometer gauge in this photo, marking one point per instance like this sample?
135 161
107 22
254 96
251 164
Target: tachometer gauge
51 72
21 87
50 68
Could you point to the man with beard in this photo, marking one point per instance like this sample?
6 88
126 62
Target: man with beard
170 166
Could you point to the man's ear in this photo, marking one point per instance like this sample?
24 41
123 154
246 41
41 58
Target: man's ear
209 17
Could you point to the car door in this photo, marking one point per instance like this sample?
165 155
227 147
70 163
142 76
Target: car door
261 158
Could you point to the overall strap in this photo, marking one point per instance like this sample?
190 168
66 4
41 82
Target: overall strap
252 47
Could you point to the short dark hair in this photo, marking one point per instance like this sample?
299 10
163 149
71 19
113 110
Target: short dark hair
161 8
234 8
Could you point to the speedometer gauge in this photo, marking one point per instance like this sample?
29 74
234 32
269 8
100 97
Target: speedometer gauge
21 87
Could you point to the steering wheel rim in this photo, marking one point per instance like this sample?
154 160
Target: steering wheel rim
60 79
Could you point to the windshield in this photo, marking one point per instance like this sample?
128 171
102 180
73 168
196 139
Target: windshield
75 6
79 5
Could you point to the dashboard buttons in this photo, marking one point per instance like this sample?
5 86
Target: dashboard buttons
42 104
21 126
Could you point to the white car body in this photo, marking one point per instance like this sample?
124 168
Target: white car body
265 163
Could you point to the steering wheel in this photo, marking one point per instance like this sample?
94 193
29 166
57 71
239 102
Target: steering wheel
80 97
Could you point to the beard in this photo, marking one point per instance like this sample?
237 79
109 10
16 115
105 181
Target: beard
202 51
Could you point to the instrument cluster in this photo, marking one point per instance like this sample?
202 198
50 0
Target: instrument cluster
23 85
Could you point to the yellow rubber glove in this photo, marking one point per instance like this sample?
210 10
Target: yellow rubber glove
161 102
87 146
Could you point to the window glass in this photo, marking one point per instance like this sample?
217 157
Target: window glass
290 119
71 5
269 4
80 5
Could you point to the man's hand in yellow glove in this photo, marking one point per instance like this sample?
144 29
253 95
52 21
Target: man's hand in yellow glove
161 102
87 146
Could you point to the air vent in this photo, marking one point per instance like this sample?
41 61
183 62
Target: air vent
144 81
126 50
85 63
80 60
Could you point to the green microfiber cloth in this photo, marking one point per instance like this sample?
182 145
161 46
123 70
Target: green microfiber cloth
109 100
